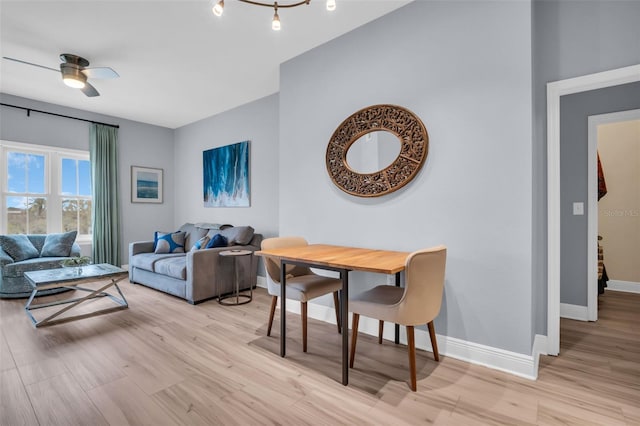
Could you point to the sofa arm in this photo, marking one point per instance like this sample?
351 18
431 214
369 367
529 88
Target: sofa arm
5 259
201 274
140 247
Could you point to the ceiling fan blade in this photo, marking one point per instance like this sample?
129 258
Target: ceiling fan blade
30 63
89 90
100 72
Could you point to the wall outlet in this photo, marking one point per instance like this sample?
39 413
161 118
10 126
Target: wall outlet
578 209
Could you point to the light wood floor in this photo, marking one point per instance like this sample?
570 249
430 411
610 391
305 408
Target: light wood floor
165 362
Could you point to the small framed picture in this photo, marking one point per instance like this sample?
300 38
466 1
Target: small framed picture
146 185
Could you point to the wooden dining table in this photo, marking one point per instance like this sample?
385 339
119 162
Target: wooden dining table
343 260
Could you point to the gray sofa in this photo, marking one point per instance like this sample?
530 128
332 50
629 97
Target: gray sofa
13 263
196 275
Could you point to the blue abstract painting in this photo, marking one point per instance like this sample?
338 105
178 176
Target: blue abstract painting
226 176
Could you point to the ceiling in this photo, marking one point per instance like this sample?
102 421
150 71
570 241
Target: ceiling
178 63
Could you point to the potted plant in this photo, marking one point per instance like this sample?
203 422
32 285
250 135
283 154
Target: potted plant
78 262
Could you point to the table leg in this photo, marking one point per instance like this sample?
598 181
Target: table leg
344 317
283 309
397 326
75 302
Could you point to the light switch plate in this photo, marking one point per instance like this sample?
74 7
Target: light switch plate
578 209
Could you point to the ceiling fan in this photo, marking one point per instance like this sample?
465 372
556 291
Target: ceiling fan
75 72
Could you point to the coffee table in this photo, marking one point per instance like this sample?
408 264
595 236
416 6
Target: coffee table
72 278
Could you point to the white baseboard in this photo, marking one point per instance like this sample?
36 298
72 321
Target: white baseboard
539 348
498 359
574 312
626 286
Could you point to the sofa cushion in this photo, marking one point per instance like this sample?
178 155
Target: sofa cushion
172 242
17 269
217 241
58 245
18 247
241 235
147 261
175 267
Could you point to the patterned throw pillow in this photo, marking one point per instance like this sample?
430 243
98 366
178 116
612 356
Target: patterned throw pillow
201 243
58 245
172 242
217 241
18 246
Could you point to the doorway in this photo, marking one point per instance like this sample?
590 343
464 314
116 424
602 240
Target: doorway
594 122
554 91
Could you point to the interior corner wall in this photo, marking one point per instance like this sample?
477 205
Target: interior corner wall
256 122
570 39
465 69
575 110
139 144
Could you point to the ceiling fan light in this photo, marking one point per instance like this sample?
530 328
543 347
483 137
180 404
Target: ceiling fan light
218 8
331 5
73 82
72 76
275 24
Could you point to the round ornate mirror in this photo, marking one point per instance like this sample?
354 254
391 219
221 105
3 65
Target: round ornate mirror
377 150
372 152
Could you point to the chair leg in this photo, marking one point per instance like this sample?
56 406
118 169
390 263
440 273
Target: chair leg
354 338
303 305
434 342
380 330
336 303
412 356
274 303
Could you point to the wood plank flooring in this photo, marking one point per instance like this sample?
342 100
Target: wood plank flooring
165 362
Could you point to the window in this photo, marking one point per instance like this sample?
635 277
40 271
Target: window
76 195
44 190
26 199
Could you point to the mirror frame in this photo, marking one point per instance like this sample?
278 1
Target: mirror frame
401 122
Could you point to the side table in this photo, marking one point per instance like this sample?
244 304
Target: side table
236 295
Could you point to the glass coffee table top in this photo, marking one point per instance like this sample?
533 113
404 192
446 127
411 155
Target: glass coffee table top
70 274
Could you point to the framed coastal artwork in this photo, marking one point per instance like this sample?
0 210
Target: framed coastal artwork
146 185
225 176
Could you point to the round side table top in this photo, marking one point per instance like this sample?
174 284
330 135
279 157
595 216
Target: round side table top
235 252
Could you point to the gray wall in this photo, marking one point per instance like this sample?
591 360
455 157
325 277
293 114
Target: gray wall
138 144
575 110
257 122
474 194
570 39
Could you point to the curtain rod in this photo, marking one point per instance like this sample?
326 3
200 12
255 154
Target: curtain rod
29 110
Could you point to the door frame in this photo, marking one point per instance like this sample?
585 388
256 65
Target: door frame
555 90
592 203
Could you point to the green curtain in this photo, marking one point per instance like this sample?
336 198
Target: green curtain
106 209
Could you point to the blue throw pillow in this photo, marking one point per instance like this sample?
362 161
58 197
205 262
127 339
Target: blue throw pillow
18 246
217 241
58 245
172 242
